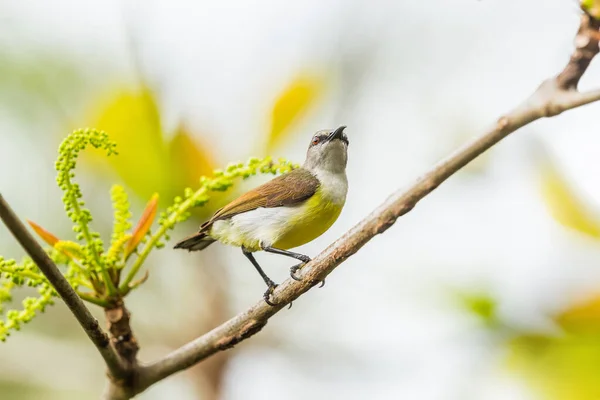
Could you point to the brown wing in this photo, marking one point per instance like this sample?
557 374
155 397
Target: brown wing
291 188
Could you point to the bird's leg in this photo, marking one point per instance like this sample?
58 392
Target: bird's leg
272 285
287 253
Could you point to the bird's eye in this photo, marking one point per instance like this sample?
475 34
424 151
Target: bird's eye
316 140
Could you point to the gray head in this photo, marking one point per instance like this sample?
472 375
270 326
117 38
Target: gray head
328 151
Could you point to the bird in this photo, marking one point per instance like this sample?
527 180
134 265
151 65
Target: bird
286 212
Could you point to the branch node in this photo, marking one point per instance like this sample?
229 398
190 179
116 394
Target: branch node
502 123
122 338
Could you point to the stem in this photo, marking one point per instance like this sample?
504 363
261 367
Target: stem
81 281
84 283
94 300
24 274
108 283
124 288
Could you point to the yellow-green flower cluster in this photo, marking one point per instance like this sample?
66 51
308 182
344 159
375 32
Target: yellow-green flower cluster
121 226
122 214
68 153
14 275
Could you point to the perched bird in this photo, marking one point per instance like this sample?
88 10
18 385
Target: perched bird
286 212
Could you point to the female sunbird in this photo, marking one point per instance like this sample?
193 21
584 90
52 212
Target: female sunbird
286 212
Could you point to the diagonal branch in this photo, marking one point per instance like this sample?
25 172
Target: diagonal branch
552 97
65 290
586 48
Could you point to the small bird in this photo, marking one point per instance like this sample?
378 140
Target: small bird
286 212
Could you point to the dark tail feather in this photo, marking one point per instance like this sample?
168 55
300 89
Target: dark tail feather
196 242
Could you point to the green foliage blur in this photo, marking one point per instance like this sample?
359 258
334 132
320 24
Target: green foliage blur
592 7
148 160
562 364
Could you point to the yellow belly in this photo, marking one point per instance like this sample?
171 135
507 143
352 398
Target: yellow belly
281 227
317 216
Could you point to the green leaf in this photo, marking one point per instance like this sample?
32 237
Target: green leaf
592 7
148 160
482 305
132 119
558 367
581 317
191 159
566 205
563 364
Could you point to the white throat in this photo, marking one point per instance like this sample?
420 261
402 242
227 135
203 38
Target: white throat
327 162
334 185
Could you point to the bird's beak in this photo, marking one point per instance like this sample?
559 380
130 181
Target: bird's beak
336 134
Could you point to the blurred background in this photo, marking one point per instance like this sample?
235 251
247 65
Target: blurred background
489 289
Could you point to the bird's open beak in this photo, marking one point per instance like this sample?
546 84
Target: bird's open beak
336 134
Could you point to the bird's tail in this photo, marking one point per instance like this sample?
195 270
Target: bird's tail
196 242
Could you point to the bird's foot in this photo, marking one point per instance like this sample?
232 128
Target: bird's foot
304 258
295 268
269 292
293 271
295 277
314 283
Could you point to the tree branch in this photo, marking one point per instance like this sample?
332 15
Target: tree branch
586 48
551 98
89 324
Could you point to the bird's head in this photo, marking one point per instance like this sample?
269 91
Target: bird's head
328 151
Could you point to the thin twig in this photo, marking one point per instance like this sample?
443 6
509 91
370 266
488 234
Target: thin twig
64 290
586 48
551 98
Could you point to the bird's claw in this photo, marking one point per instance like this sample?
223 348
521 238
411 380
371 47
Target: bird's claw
293 271
295 277
295 268
322 283
268 294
